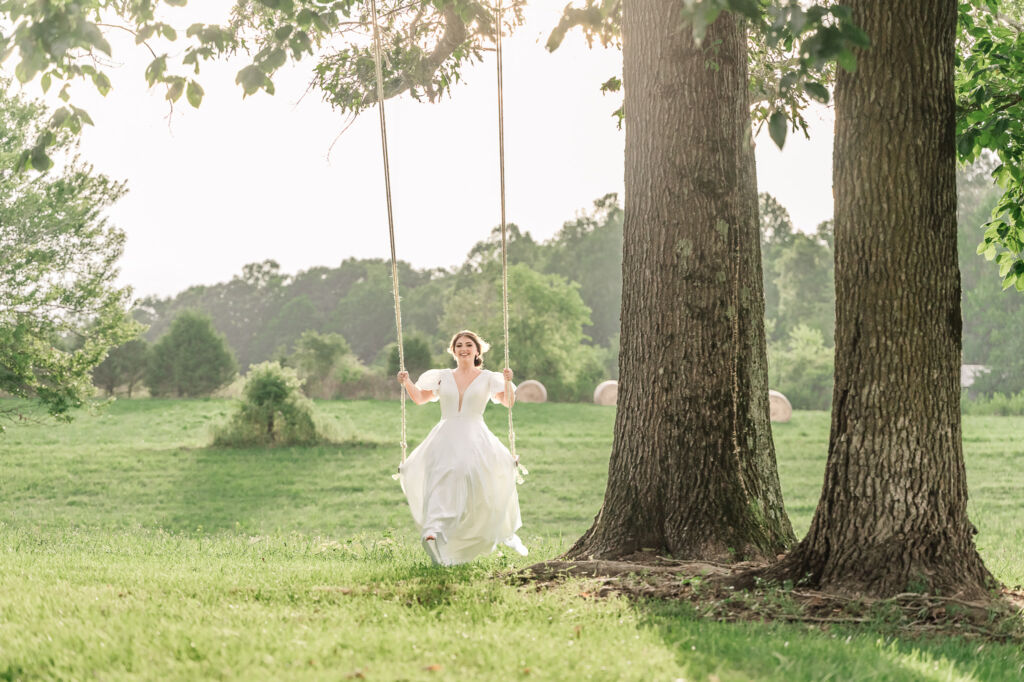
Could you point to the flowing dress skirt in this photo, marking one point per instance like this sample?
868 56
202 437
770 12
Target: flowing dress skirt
461 487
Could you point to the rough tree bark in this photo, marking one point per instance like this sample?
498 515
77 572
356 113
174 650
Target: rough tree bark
692 469
892 514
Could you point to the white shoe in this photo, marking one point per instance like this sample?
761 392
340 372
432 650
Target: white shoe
517 545
430 545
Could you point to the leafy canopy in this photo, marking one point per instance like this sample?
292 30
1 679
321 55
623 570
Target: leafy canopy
792 56
990 120
426 43
60 310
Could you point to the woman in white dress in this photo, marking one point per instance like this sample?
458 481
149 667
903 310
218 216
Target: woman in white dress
461 480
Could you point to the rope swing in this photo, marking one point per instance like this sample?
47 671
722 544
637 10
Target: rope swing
391 223
504 240
391 216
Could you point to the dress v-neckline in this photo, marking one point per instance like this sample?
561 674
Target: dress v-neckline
463 393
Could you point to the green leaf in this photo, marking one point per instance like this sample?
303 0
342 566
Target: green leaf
175 90
92 33
283 32
59 117
817 91
40 159
777 128
102 83
305 18
965 145
748 8
194 94
847 60
82 115
274 60
251 79
613 84
145 33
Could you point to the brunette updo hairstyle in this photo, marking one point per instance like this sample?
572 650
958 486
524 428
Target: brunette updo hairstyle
481 346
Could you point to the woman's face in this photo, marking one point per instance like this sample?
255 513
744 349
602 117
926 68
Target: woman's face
464 347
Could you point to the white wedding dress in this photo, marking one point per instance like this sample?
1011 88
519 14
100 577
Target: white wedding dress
461 480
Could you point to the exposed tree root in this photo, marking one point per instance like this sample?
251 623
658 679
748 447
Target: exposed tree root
706 585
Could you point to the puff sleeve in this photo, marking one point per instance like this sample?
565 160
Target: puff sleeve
430 381
497 386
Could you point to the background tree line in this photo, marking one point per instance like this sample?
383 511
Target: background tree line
336 326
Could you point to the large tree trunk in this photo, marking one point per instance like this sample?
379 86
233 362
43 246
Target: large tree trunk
692 469
892 515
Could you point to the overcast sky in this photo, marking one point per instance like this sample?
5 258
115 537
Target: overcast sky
238 181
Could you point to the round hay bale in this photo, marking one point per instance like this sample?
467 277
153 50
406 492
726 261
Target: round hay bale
779 407
531 391
606 393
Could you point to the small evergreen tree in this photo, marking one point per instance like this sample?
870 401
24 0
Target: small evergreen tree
273 411
191 359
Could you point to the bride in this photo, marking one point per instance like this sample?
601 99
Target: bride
461 481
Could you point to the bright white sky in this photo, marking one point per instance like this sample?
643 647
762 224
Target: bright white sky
239 181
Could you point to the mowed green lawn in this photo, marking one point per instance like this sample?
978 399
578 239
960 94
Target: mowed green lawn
130 550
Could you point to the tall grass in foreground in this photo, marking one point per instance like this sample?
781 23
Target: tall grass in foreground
130 550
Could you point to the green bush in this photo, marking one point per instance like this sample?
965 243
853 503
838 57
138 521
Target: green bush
999 405
801 368
273 411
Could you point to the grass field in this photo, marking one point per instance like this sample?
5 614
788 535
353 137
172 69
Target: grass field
130 550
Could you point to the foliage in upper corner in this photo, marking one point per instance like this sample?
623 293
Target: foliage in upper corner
425 45
60 43
60 310
792 61
990 118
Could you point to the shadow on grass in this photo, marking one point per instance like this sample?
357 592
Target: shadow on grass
782 651
259 490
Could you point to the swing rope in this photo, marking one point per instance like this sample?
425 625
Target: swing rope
391 217
504 238
391 223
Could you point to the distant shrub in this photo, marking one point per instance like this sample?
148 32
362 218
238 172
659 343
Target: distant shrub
1005 377
418 358
273 411
191 359
361 382
322 360
801 368
591 369
998 404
